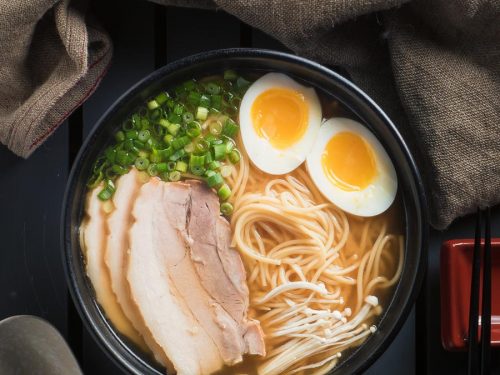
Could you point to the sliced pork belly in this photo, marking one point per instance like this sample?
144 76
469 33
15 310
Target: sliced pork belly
199 321
218 265
156 246
118 224
94 244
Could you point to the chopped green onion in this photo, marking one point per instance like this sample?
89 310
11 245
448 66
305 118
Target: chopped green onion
166 152
158 131
155 114
153 104
164 123
109 173
118 169
209 173
143 154
224 192
196 161
174 176
201 113
187 117
219 151
168 138
165 176
120 136
161 98
152 169
107 191
131 158
179 109
177 155
110 154
201 146
226 208
138 143
193 129
173 118
136 120
127 125
210 138
198 171
144 123
144 135
162 167
173 129
208 155
194 98
95 180
132 134
213 88
151 143
216 101
180 142
181 166
105 194
230 128
230 75
122 157
204 101
141 163
170 103
215 128
215 180
189 148
234 156
129 146
229 146
197 164
213 165
155 156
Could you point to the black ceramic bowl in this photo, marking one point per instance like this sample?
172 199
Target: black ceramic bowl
259 61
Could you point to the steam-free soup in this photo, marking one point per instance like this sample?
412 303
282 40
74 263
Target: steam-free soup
243 225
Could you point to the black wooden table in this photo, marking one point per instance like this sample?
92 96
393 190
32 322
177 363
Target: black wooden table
32 281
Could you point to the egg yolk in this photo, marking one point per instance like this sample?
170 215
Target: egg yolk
349 162
280 116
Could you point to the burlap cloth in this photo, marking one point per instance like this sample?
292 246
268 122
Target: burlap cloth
51 60
432 65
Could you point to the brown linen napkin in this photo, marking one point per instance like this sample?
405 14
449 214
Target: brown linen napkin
432 65
51 60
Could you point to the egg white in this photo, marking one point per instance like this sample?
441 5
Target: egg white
265 157
378 195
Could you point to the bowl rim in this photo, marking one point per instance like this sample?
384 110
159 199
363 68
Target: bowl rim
420 196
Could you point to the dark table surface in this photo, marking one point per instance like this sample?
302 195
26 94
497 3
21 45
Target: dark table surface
32 280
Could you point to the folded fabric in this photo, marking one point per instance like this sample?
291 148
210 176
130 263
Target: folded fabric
52 59
432 65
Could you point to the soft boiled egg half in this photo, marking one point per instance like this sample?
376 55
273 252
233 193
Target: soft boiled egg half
279 120
351 168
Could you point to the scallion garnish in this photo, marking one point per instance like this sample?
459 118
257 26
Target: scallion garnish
166 138
226 208
141 163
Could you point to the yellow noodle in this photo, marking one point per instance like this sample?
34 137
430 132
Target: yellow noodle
313 270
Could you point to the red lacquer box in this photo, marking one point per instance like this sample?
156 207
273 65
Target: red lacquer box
456 270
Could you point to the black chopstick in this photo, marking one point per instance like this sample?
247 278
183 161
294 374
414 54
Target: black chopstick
486 305
473 350
475 367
